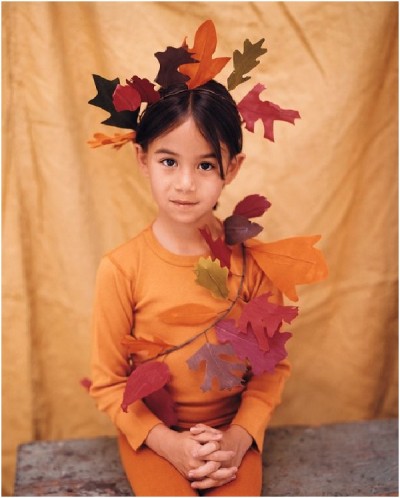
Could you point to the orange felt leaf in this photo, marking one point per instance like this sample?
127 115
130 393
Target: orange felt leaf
117 141
290 262
188 314
205 43
152 348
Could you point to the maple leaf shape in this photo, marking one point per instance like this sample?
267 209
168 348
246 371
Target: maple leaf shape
252 206
130 96
162 405
104 100
169 61
211 276
144 380
290 262
216 367
252 108
243 63
238 229
246 346
205 43
150 348
188 314
217 247
117 141
265 318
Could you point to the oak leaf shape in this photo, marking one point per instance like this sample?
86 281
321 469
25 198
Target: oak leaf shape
170 60
217 247
162 405
217 367
211 276
149 348
144 380
188 314
104 100
265 318
252 108
238 229
247 348
205 43
252 206
290 262
243 63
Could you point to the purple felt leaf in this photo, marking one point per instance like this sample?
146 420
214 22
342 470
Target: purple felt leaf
217 247
252 206
169 61
238 229
217 367
162 405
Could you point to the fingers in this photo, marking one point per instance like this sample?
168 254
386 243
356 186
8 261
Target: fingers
220 456
200 428
204 470
206 449
217 478
204 437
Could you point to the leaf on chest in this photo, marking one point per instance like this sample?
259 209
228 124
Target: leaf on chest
189 314
211 276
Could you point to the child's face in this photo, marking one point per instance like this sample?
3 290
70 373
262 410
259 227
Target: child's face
184 174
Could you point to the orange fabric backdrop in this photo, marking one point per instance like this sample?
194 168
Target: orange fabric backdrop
334 173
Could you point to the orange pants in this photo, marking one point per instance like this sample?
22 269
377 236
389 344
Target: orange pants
152 475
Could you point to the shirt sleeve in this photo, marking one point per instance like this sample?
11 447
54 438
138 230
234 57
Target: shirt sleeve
113 319
263 392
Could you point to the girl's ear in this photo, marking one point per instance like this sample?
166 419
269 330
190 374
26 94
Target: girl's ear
141 158
233 167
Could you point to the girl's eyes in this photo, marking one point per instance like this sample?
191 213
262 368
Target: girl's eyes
169 162
203 166
206 166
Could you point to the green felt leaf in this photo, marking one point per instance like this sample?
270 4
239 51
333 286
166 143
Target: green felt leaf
245 62
211 276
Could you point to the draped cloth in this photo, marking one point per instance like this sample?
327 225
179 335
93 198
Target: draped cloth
64 205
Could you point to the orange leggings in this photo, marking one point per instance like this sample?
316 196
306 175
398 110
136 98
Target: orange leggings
152 475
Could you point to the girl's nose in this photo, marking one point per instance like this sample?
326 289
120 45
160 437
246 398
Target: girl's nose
184 180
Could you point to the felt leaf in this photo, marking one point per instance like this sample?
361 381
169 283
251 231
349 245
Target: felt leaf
151 348
243 63
104 100
246 346
217 247
162 405
205 43
217 367
252 206
129 97
169 61
238 229
188 314
117 141
265 318
144 380
211 276
290 262
86 383
252 108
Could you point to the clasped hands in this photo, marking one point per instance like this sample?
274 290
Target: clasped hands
206 456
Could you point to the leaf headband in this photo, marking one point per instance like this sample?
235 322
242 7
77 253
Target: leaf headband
193 67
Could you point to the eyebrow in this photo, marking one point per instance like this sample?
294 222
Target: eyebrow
172 153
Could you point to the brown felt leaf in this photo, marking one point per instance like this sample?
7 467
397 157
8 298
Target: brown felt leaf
205 43
243 63
238 229
252 206
188 314
290 262
169 61
252 108
151 348
211 276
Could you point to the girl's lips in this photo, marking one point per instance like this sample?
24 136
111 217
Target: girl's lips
183 203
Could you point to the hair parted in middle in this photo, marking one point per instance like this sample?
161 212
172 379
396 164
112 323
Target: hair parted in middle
210 105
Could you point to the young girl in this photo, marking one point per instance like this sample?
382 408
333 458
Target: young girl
150 309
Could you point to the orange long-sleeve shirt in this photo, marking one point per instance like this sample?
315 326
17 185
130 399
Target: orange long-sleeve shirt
135 283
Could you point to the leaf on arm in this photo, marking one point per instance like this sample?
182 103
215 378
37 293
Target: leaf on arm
217 247
169 61
252 108
188 314
217 367
265 318
290 262
238 229
211 276
243 63
205 43
252 206
144 380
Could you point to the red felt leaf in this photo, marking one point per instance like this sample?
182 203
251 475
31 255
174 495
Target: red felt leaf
129 97
238 229
86 383
144 380
169 61
252 206
162 405
265 318
252 108
246 346
217 367
217 247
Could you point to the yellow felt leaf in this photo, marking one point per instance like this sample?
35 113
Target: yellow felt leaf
290 262
211 276
152 348
188 314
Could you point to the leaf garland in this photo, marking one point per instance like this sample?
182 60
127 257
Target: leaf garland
212 276
243 63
